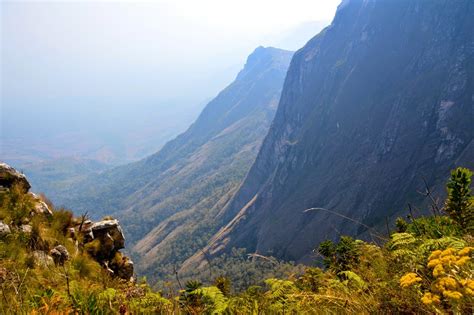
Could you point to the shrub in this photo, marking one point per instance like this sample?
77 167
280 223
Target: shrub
460 203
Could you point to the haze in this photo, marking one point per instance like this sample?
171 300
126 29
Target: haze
108 73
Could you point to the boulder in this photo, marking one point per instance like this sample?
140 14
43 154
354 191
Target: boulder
40 206
60 255
4 229
106 245
110 228
119 239
85 226
103 240
126 269
71 232
122 266
10 176
26 228
42 259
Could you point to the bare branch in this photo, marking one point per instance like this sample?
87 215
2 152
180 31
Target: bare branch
350 219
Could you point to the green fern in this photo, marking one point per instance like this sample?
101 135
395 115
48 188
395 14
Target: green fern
214 299
352 279
402 240
441 243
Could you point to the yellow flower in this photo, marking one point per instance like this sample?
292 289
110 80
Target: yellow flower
447 259
447 252
409 279
468 291
461 261
438 270
448 283
465 251
455 295
468 283
434 254
430 298
433 263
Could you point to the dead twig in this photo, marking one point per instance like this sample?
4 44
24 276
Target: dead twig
83 219
270 259
436 210
370 229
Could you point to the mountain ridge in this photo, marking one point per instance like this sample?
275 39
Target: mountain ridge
165 199
367 111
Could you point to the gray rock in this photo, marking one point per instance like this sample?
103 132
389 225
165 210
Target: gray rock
104 225
60 255
42 259
125 269
71 233
40 206
109 228
119 239
106 245
4 229
26 228
10 176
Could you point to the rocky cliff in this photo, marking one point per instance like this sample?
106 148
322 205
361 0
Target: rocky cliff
378 101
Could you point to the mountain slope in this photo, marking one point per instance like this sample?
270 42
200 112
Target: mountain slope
169 199
380 99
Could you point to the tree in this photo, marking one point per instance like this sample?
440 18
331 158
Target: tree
340 256
460 202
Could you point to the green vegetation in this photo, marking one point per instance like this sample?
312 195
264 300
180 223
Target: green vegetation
241 270
425 267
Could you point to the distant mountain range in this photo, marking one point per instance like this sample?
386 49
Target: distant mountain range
168 202
113 142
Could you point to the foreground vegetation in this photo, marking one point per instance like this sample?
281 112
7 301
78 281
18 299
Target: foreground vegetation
424 267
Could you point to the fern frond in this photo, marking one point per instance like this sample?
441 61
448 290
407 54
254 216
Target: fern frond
353 278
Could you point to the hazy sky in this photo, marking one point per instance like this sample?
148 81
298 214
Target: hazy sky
65 63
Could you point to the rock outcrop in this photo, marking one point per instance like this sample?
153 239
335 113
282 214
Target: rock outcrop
40 206
4 229
102 239
109 229
10 177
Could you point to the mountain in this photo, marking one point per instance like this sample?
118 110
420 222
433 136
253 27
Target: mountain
378 101
167 202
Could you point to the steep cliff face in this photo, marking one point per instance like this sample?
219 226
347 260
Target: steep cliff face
380 99
167 202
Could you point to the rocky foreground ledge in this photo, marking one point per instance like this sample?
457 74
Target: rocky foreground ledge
102 240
